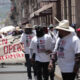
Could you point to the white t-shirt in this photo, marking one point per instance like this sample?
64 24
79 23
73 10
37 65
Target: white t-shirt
26 40
34 31
67 48
39 45
53 34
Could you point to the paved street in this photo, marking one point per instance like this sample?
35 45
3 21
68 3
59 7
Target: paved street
14 76
13 72
18 72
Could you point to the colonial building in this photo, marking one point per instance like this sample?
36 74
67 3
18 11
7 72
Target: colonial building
43 11
36 11
68 8
77 12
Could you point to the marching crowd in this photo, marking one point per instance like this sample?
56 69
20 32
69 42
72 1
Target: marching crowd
43 46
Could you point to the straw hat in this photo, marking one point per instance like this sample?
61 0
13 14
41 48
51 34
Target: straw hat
18 28
64 25
28 26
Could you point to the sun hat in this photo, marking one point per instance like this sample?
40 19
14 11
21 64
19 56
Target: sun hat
18 28
64 25
28 26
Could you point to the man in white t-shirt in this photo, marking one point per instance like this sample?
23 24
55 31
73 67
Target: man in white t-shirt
42 45
68 51
52 32
26 39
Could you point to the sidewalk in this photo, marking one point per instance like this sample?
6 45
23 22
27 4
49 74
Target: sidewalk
13 69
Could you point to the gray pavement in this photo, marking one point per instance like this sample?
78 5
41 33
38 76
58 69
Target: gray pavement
17 76
13 69
15 72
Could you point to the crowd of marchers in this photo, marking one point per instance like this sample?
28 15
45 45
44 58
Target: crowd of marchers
45 46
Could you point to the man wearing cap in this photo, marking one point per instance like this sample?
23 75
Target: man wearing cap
34 31
42 45
26 39
52 32
68 51
53 35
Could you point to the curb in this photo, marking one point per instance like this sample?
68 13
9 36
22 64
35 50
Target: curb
12 72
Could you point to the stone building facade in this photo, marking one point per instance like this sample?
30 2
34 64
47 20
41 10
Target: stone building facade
23 9
44 11
68 8
77 12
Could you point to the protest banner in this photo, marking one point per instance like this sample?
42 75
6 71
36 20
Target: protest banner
10 50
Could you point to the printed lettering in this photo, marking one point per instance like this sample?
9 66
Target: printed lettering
10 48
4 41
14 48
5 49
19 47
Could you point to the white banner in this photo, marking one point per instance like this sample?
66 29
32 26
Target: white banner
10 50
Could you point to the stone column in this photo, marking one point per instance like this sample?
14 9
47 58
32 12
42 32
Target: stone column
77 8
70 11
59 9
65 9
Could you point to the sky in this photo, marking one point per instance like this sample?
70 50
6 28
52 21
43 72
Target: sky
4 8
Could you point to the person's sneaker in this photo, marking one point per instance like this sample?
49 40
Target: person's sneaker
35 77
